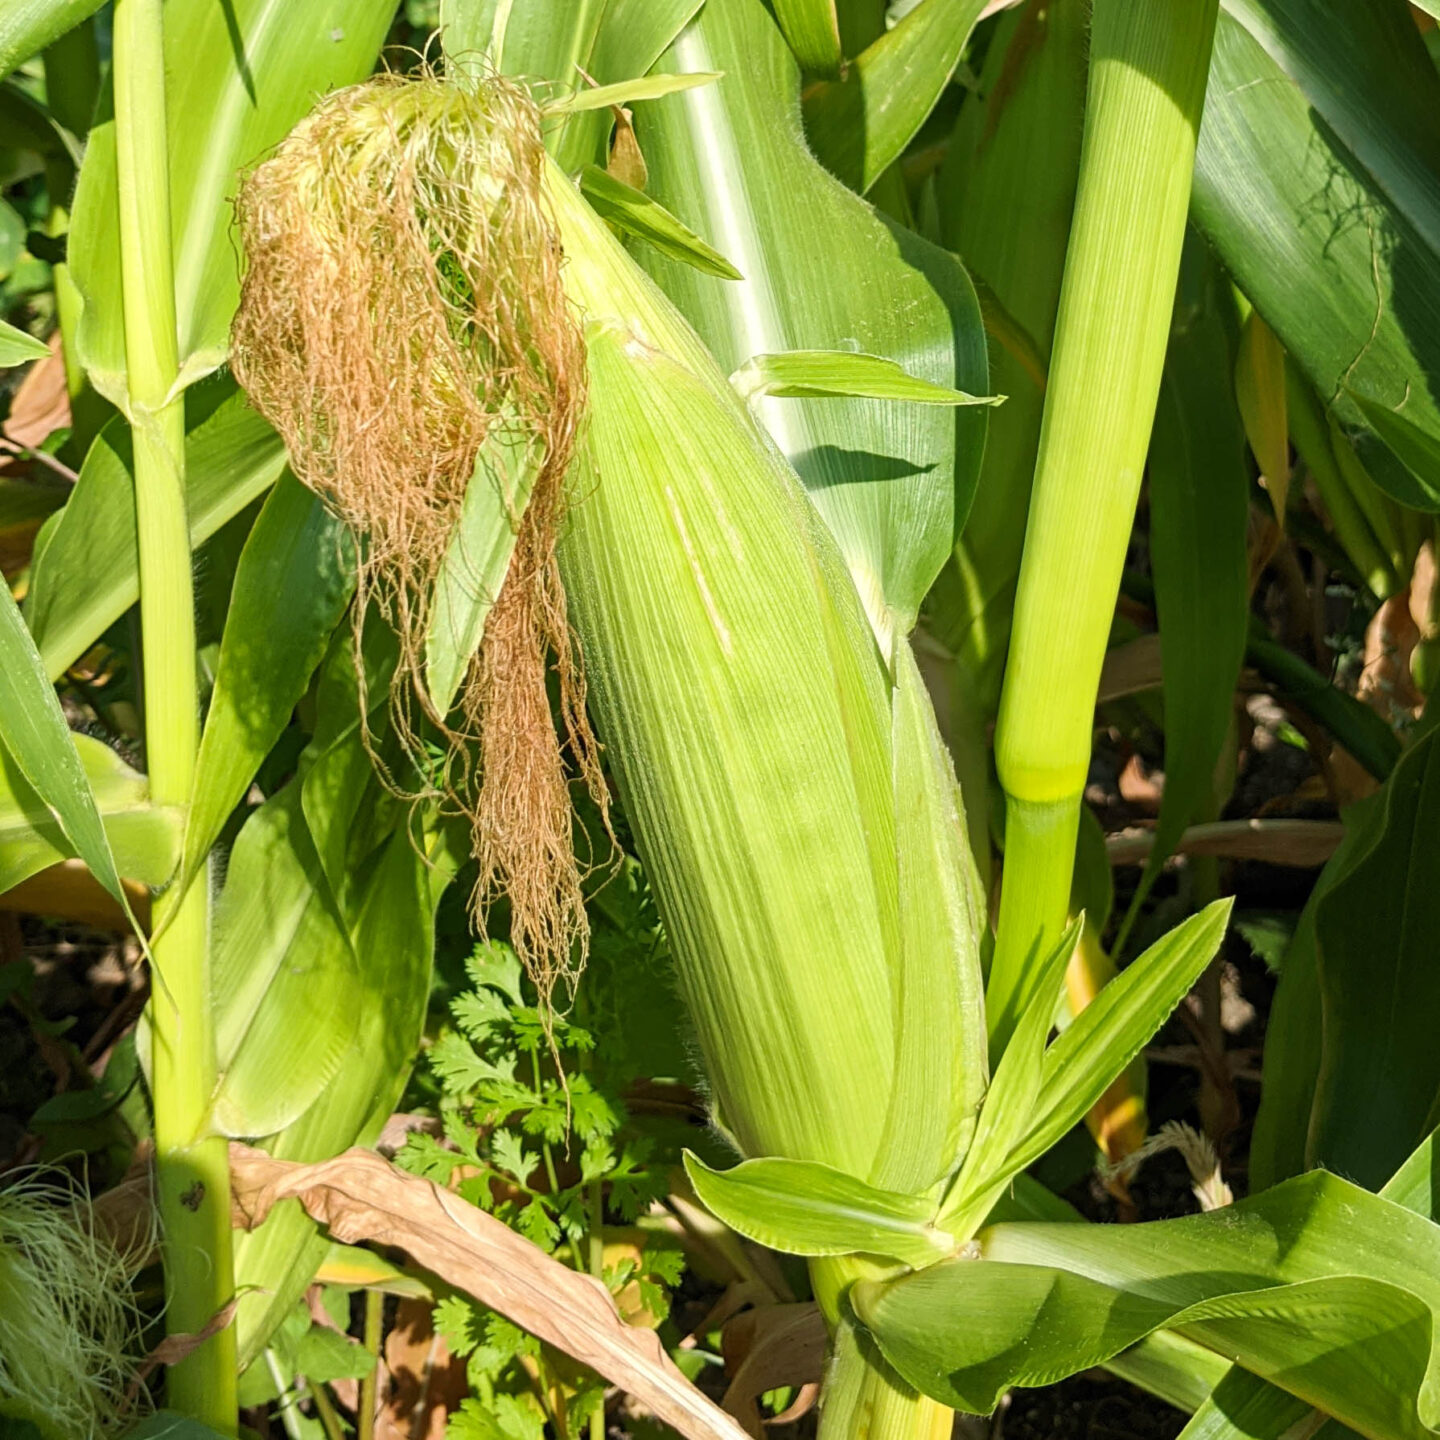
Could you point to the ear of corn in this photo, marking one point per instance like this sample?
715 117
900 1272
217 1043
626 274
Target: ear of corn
757 739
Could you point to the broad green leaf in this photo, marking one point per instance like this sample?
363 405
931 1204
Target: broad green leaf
167 1425
860 124
1008 1111
627 92
843 374
238 76
1417 446
1317 1285
1199 514
610 42
803 1208
28 26
16 347
34 734
291 586
1316 179
941 1049
87 576
1005 194
390 918
812 31
822 271
144 839
1379 1075
475 566
637 214
283 967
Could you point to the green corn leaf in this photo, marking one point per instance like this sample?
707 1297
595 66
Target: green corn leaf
282 960
144 839
1317 116
1379 1075
940 1047
812 30
636 213
1417 446
1199 514
291 586
34 733
832 374
476 563
1322 1287
390 918
16 347
610 44
859 125
86 576
803 1208
239 75
822 272
28 26
627 92
1112 1029
1008 1112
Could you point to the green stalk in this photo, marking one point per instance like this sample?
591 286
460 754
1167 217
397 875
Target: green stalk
193 1173
1148 66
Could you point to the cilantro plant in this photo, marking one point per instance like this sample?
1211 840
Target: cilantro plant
537 1133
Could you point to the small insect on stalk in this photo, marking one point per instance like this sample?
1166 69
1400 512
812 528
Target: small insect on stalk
402 320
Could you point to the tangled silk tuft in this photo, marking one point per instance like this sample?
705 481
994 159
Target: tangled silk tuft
402 309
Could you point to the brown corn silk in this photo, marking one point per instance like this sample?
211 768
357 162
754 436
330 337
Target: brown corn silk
402 306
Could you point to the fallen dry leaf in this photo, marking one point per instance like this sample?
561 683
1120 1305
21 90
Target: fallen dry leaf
427 1382
361 1197
1304 844
769 1347
41 405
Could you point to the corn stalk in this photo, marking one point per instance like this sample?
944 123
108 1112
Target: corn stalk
1148 67
192 1167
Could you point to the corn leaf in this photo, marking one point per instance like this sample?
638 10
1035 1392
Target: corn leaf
1379 1075
1260 393
802 1208
239 76
144 838
859 125
34 734
840 374
1199 513
1102 1040
85 576
610 44
1008 1111
627 92
634 212
812 30
390 919
940 1046
476 563
291 586
1320 1286
822 272
28 26
283 965
16 347
1316 181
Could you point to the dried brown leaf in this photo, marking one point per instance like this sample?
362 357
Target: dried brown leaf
1305 844
766 1348
360 1197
